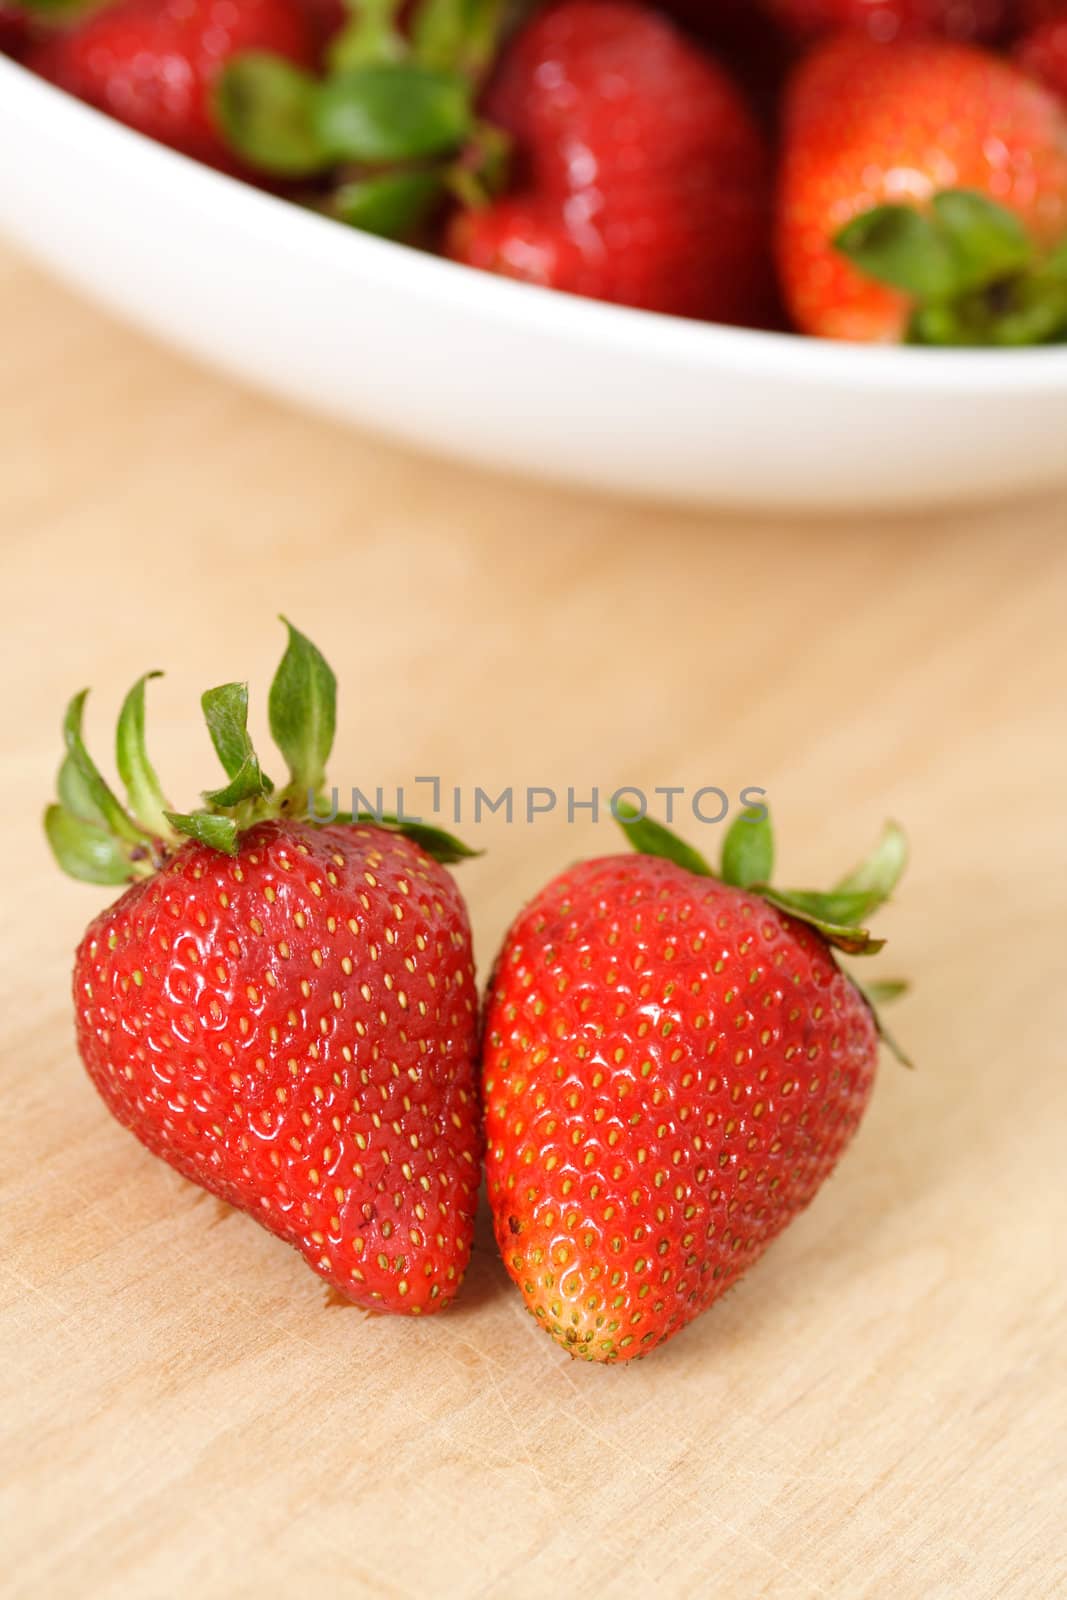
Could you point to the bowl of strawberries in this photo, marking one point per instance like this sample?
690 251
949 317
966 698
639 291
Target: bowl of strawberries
782 254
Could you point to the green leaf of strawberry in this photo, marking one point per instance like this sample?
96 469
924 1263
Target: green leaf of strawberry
748 850
883 869
986 241
394 207
884 991
226 713
824 913
303 712
457 35
84 850
392 112
220 833
144 794
392 121
93 788
968 264
90 833
76 796
651 838
370 36
288 123
94 838
266 109
901 247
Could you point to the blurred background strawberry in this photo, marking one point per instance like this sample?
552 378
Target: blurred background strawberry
641 176
153 64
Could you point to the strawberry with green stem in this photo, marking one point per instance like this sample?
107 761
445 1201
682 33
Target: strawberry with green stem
641 175
673 1064
392 130
283 1010
155 64
923 197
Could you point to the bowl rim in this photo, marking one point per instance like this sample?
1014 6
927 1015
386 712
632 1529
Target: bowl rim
622 330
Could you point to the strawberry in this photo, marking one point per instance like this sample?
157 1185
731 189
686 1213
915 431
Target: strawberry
284 1011
923 196
887 20
641 175
673 1064
389 130
154 63
1043 53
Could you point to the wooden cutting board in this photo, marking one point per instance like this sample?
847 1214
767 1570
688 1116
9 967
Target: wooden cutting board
879 1409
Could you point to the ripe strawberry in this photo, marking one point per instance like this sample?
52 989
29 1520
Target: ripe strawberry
154 63
642 177
672 1066
923 196
1043 53
887 20
388 133
284 1011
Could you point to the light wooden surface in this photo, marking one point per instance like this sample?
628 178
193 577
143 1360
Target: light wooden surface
879 1409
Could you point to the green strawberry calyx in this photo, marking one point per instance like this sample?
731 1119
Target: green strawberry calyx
973 272
839 915
390 131
98 839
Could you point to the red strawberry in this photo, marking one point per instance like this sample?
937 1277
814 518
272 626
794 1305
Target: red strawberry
642 176
154 63
672 1067
923 195
388 135
284 1011
1043 53
886 20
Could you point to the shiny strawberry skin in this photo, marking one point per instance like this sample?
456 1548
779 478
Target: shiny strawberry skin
294 1029
866 125
671 1069
887 20
642 176
153 63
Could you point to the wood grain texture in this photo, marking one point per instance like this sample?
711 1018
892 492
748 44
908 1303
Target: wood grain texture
879 1409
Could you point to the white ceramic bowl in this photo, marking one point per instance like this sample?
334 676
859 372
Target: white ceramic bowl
500 373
